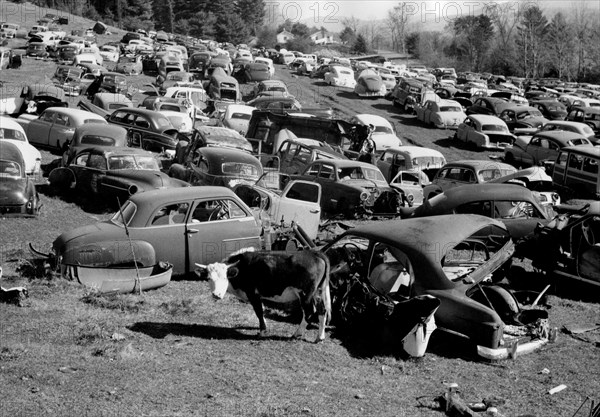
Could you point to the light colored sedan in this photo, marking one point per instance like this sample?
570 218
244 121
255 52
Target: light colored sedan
237 117
444 114
484 131
339 76
11 131
56 125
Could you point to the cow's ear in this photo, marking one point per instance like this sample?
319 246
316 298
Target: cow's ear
232 272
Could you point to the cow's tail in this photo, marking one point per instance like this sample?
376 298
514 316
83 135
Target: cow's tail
324 287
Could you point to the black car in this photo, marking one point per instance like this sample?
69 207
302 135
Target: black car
488 105
18 195
148 129
112 172
550 109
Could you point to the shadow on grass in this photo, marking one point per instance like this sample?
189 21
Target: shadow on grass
88 204
203 331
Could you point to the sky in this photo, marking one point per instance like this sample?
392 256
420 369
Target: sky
331 13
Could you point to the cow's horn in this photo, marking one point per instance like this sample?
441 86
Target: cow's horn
201 266
233 264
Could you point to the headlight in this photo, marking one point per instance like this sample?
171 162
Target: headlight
555 197
410 197
377 192
364 196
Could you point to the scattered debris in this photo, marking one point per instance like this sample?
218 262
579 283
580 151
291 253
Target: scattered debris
117 336
556 389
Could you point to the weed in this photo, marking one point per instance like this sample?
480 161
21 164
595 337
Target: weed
114 302
178 306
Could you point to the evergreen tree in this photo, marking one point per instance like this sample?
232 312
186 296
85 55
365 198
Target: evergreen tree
252 13
360 45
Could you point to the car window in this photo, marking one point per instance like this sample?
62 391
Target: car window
575 162
483 208
486 175
390 270
61 120
142 122
216 210
48 116
327 172
97 162
387 157
590 165
170 214
313 171
303 192
515 209
82 159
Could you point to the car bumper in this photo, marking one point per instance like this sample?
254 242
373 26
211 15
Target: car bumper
511 351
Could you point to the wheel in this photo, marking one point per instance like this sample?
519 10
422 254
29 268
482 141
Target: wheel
407 108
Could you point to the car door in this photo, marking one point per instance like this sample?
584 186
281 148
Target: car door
520 217
38 130
62 130
216 228
90 175
462 132
301 202
384 163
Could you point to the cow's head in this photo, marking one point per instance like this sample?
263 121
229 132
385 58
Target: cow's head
218 277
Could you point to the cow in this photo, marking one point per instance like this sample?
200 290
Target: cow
280 277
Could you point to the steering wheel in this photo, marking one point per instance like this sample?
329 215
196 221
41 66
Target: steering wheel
218 213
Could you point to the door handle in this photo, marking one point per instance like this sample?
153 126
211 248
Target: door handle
315 211
192 231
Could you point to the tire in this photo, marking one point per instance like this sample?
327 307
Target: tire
407 109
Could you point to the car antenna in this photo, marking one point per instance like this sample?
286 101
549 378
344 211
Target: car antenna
137 271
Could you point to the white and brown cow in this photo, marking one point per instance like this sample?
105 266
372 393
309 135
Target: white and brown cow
280 277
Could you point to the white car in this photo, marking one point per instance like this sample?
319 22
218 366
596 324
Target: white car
384 134
339 76
484 131
110 53
577 127
443 114
11 131
237 117
182 121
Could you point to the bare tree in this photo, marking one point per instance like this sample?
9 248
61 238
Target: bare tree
560 44
396 21
582 25
352 23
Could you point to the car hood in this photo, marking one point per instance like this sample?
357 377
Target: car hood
238 125
360 183
532 121
145 179
372 84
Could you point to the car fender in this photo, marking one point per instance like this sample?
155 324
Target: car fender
62 177
109 186
180 172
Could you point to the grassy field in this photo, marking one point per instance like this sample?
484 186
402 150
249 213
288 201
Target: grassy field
177 352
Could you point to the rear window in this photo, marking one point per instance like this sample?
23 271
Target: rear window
494 128
6 133
236 168
450 108
241 116
97 140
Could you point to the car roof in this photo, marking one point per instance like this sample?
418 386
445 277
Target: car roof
593 151
479 164
419 234
100 129
7 122
562 136
485 118
343 163
118 150
415 151
372 119
487 191
160 196
587 109
78 113
216 154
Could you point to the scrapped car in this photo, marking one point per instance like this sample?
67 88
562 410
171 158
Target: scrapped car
464 172
96 135
275 103
588 115
516 206
209 136
111 173
576 127
575 171
567 249
11 131
550 109
319 71
408 93
448 257
222 86
148 129
484 131
534 179
492 106
110 53
443 114
370 84
104 104
129 65
56 125
33 100
182 226
339 76
19 196
254 72
174 77
199 61
108 82
410 158
237 117
295 154
218 166
72 80
270 87
541 147
67 53
384 134
268 62
37 50
352 188
523 119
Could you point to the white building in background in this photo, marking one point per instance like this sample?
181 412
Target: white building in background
284 36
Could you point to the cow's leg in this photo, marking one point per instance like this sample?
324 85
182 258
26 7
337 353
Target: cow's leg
258 309
324 311
307 310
